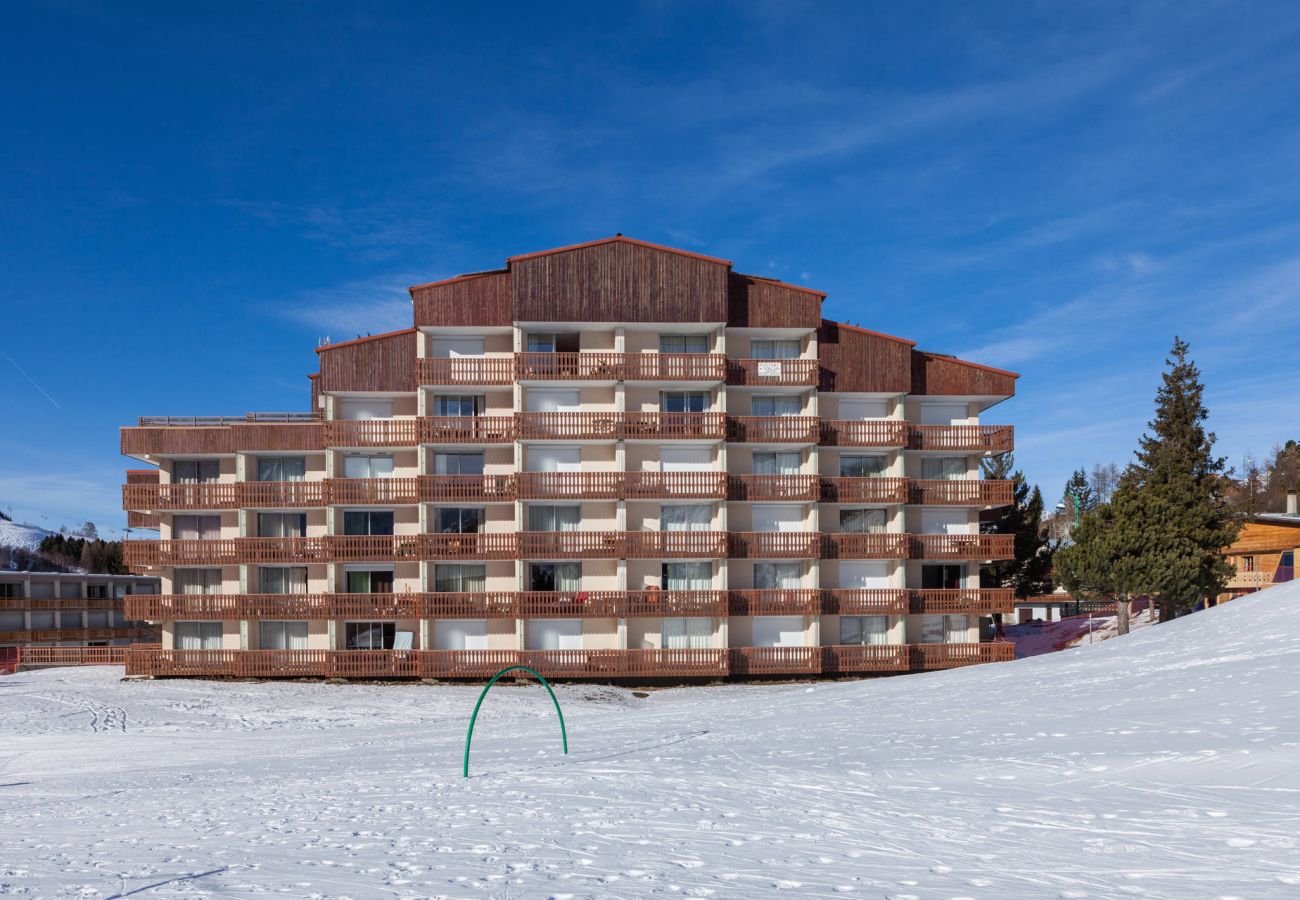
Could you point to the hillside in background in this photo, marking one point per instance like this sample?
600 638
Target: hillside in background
18 536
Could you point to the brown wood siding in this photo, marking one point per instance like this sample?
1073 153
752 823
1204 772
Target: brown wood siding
755 303
164 441
1259 536
947 375
385 363
618 282
466 301
856 361
315 392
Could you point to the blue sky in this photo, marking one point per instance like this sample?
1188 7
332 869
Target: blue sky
192 194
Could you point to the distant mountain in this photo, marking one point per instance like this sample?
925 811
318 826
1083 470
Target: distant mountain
28 537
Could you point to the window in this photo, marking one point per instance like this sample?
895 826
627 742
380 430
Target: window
10 589
369 635
778 631
195 471
282 636
862 466
458 519
944 413
453 577
683 343
552 400
97 619
935 576
458 463
283 579
687 633
864 630
196 528
365 409
41 620
555 634
943 468
778 576
281 468
855 410
555 576
686 517
550 342
366 521
198 636
460 634
554 518
456 347
777 405
686 459
554 459
687 576
196 581
367 466
863 521
943 629
684 401
788 349
280 524
774 463
93 591
370 581
458 405
70 619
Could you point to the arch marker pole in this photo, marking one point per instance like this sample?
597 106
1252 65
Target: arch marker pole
469 734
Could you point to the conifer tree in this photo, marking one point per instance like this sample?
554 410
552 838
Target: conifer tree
1030 571
1078 488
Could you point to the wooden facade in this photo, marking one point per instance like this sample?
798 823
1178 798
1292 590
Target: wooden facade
938 375
479 300
384 362
754 302
854 360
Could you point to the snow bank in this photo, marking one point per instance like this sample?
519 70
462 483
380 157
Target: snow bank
1162 764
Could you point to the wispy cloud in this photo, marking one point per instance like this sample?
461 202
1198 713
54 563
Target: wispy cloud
365 306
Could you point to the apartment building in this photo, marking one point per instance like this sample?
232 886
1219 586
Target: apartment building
47 616
614 461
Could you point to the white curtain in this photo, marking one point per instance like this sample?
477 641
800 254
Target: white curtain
777 405
554 518
692 517
555 634
864 630
932 629
283 635
862 521
460 634
281 468
862 466
687 633
196 528
784 463
281 524
537 400
453 577
688 576
365 409
568 576
851 410
367 466
955 629
778 576
683 343
943 468
784 349
198 636
283 580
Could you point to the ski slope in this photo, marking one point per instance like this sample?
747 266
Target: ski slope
1161 764
28 537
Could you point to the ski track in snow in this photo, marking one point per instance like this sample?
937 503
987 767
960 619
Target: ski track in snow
1165 764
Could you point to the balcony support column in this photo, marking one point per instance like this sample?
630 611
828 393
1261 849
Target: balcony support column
243 634
331 634
425 634
622 634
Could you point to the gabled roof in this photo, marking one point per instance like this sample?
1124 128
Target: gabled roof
861 330
948 357
362 340
466 277
619 239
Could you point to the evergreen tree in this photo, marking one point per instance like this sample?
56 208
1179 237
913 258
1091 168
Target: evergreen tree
1078 489
1030 571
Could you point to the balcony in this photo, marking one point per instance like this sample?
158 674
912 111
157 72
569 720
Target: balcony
388 491
483 488
372 432
776 602
772 545
961 492
775 660
467 429
972 601
211 435
370 547
772 429
880 545
773 487
329 548
977 547
571 604
612 366
622 485
477 664
843 659
469 605
879 433
865 601
773 372
988 439
864 490
471 545
930 657
674 367
223 495
652 604
674 426
26 636
676 545
571 544
137 519
466 371
1243 580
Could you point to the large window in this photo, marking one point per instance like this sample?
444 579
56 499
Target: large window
458 578
785 349
281 468
777 405
863 521
943 629
555 576
458 519
365 409
686 517
281 524
195 471
283 579
554 518
369 635
554 634
196 581
683 343
458 463
458 404
943 468
937 576
70 619
864 630
551 342
368 521
274 635
196 528
777 463
370 581
378 465
687 576
687 633
198 636
784 576
857 466
684 401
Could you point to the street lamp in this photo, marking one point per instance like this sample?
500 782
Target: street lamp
1074 497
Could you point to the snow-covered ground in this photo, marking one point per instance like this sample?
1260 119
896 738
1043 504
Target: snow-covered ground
15 534
1034 638
1162 764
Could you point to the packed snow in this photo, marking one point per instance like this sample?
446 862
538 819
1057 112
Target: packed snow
27 537
1036 638
1162 764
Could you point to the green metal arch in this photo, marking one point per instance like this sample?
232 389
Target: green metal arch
469 735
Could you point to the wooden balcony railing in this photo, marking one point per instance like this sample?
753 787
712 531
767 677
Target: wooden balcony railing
480 545
611 366
1243 579
674 426
68 604
622 485
772 545
71 656
466 370
775 660
768 372
848 545
882 433
467 429
651 604
773 487
475 664
284 494
228 607
329 548
865 601
163 436
372 432
961 492
571 544
772 429
467 605
778 602
674 367
974 601
846 658
367 547
676 545
928 657
864 490
962 546
568 425
217 495
485 488
571 604
962 438
137 519
345 491
119 633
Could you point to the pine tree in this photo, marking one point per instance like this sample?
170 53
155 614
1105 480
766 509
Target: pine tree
1078 489
1030 571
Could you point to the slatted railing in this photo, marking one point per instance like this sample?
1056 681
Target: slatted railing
962 546
865 601
928 657
372 432
466 370
850 545
772 429
850 658
486 488
466 429
974 601
962 438
768 372
961 492
883 433
775 660
776 602
772 545
864 490
342 491
773 487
